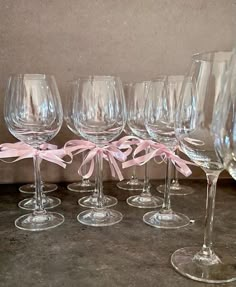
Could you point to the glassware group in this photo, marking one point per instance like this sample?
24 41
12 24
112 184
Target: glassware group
196 112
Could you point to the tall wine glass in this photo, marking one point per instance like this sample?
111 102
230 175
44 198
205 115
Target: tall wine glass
174 85
132 183
85 185
89 201
135 121
201 90
100 115
160 110
33 114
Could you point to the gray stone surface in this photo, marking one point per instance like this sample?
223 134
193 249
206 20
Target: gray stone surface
129 254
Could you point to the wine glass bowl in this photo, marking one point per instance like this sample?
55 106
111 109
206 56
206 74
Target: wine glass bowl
31 97
33 114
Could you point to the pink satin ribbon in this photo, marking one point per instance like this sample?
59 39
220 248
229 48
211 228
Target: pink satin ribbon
21 150
113 152
157 150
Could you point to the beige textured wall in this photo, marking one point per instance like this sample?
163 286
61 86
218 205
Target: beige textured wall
131 38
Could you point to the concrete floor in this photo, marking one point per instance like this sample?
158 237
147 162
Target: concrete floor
129 254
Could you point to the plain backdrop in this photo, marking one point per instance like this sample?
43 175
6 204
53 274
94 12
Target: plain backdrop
135 39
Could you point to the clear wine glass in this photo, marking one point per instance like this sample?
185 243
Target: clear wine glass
135 120
174 86
70 117
85 185
33 114
194 129
160 110
100 117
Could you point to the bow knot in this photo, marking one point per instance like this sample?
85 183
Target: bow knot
153 150
21 150
112 153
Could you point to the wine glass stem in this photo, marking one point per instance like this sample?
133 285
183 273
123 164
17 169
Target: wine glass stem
166 203
212 178
83 169
38 186
133 176
175 180
99 184
146 185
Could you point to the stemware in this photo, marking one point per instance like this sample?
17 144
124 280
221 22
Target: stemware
33 114
135 120
70 118
160 110
174 88
201 90
85 185
100 117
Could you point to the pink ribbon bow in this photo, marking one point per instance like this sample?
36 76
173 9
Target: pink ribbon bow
21 150
111 153
155 150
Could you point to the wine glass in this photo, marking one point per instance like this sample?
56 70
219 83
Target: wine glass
174 85
33 114
135 120
132 183
70 118
160 110
85 185
100 117
194 129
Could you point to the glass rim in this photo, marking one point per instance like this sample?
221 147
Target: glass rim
159 78
136 82
210 56
176 77
20 75
96 77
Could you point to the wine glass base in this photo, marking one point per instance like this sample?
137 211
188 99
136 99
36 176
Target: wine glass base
222 272
130 184
81 186
96 217
31 222
166 220
48 203
30 188
176 189
141 201
91 201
